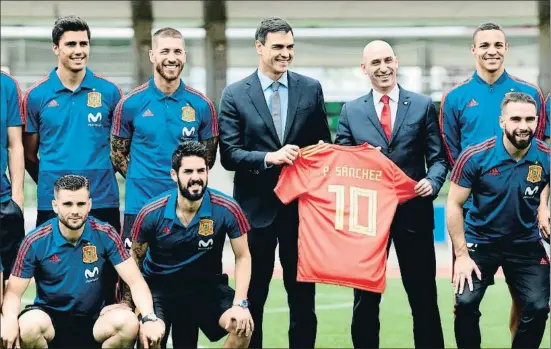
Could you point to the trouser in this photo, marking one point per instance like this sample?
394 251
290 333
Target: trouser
526 270
300 295
416 257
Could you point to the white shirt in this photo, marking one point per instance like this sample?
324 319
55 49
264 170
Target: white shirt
394 96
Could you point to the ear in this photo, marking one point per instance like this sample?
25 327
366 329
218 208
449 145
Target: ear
54 206
506 46
472 49
397 62
89 205
173 175
364 68
55 49
258 45
151 57
502 122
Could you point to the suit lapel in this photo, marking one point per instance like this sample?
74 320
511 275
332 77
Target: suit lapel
294 97
372 115
403 106
254 90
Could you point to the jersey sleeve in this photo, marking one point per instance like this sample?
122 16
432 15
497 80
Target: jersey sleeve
25 262
464 173
15 104
238 224
403 185
450 128
209 121
31 112
123 119
293 181
116 253
144 228
116 96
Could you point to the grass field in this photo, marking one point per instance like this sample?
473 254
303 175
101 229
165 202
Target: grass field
334 309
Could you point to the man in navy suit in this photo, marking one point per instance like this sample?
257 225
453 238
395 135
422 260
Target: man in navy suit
264 120
404 124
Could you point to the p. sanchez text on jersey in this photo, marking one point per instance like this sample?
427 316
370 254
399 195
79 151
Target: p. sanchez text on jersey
353 172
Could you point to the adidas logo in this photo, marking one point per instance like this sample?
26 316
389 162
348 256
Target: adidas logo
54 259
494 172
166 230
544 261
53 103
472 103
147 113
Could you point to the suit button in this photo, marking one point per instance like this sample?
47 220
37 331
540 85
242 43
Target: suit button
390 149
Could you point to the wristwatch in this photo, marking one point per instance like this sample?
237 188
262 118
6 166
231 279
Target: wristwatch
149 317
242 303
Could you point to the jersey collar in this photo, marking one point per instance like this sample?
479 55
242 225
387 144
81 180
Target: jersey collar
177 95
499 81
85 84
530 156
61 241
205 210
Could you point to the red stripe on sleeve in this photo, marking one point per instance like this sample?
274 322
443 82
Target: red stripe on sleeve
24 249
144 212
458 170
214 119
234 208
112 234
117 116
24 104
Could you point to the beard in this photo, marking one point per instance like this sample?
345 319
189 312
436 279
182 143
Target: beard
192 196
159 68
73 226
519 143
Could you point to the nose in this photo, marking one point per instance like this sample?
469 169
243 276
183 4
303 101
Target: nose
78 50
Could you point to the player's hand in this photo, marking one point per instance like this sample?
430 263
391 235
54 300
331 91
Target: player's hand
244 321
463 271
543 222
151 333
108 308
9 331
423 188
285 155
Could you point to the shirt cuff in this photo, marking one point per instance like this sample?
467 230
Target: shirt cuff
266 166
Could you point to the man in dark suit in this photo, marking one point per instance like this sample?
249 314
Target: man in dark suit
404 124
264 120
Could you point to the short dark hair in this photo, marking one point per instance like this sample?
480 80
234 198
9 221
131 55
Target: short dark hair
487 26
518 97
272 25
168 32
185 149
71 182
69 24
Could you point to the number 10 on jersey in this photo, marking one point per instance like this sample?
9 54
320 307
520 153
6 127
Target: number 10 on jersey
354 193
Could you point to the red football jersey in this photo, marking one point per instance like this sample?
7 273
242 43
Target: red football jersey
347 199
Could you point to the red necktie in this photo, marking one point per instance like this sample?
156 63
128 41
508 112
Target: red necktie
386 120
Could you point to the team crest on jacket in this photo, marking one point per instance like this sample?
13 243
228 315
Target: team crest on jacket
206 227
94 99
89 254
188 114
534 174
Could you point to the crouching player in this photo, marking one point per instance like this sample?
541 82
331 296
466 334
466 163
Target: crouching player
67 256
507 175
178 239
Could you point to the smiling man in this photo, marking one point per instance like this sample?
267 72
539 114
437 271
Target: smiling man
405 125
69 115
264 120
152 120
508 176
469 112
